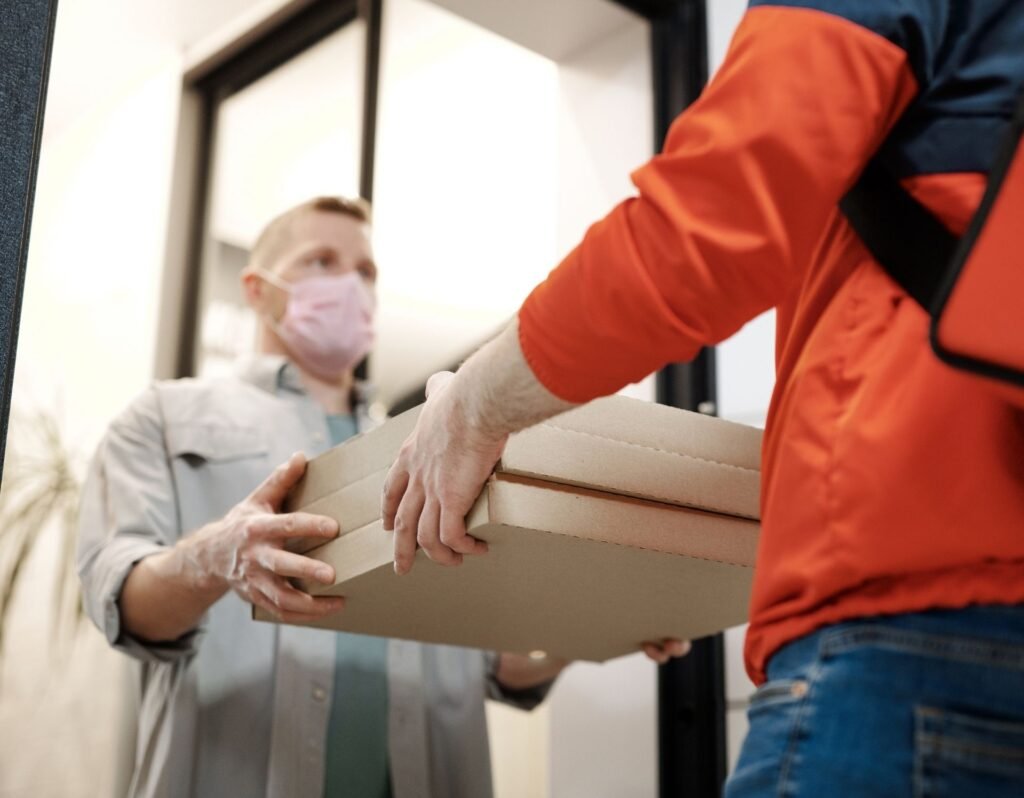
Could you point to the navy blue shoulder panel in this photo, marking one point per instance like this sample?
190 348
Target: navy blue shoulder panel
968 58
916 27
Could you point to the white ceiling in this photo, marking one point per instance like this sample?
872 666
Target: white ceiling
556 30
102 47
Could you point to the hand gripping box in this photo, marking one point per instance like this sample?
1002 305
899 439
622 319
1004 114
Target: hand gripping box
615 523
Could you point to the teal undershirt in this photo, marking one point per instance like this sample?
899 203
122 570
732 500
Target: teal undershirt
357 731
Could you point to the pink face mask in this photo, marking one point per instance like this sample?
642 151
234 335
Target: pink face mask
328 323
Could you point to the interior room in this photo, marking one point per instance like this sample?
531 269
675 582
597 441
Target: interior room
486 137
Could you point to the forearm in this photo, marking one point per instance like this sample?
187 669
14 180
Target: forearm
499 392
167 594
516 672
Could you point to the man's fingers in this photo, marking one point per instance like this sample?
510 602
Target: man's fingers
428 535
454 535
286 598
676 647
259 599
293 525
395 485
407 521
275 487
655 653
667 649
295 566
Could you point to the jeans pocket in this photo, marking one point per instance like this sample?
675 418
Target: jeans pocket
779 691
959 754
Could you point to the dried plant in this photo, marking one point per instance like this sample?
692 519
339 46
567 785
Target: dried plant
40 489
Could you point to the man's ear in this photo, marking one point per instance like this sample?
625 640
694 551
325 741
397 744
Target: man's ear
253 289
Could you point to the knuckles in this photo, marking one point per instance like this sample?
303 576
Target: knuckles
249 531
448 536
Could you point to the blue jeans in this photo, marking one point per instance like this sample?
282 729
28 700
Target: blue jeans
927 704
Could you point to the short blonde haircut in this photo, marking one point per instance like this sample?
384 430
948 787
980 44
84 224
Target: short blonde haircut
275 236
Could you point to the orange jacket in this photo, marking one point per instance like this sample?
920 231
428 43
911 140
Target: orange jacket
891 483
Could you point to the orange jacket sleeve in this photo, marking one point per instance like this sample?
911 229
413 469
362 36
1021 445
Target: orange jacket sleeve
728 216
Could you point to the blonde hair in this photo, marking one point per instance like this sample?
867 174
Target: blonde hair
275 236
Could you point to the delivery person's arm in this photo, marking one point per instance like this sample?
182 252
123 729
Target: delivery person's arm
724 227
145 587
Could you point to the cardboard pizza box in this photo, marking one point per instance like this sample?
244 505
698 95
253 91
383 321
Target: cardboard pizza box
612 524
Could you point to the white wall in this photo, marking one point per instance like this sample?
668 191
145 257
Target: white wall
96 256
465 188
85 347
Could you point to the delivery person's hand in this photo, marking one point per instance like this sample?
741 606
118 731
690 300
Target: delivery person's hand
436 479
245 550
459 437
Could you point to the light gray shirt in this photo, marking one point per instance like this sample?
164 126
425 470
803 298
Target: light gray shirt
237 707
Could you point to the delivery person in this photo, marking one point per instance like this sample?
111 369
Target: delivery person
231 707
887 619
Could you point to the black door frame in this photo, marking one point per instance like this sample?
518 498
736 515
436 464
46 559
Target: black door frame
26 41
692 719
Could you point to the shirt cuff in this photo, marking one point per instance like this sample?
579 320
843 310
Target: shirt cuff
122 555
524 698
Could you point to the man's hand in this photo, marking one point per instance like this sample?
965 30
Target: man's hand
668 649
437 478
245 550
519 672
458 438
166 594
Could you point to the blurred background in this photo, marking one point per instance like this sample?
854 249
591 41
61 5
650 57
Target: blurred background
488 135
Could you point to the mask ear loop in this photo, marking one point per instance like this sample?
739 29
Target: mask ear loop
274 280
277 282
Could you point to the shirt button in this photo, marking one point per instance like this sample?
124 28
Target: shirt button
319 694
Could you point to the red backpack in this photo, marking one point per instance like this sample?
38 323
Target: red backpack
972 287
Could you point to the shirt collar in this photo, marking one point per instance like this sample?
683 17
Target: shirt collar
270 373
273 373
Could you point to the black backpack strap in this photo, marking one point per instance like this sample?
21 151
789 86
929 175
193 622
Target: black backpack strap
911 244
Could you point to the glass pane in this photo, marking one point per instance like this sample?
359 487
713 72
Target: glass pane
465 188
291 135
492 160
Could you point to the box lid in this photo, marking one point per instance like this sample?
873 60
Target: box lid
616 445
